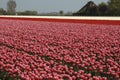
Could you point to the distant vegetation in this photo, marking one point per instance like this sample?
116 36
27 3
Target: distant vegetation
111 8
27 12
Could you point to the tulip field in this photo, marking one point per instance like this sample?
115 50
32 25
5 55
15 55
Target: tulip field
38 50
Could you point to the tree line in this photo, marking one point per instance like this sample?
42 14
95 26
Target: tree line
111 8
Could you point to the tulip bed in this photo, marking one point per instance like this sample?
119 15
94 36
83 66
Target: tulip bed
33 50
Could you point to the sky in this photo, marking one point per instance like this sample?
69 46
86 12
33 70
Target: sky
43 6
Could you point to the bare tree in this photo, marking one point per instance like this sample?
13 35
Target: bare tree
11 5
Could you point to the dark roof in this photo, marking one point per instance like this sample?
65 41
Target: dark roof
87 8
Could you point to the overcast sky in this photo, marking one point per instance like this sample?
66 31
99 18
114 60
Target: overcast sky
49 5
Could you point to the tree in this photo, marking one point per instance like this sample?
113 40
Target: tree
11 5
114 7
114 3
103 8
61 12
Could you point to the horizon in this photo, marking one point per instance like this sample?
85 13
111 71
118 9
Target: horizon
49 6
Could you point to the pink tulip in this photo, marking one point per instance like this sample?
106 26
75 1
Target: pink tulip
36 50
